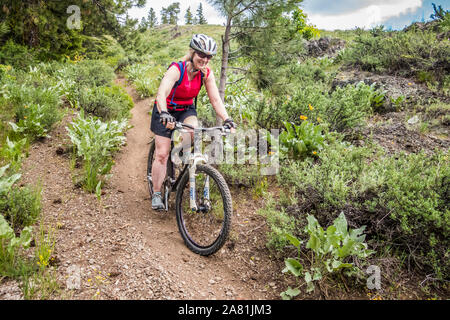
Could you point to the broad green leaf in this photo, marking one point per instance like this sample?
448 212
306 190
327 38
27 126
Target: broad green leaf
356 234
346 248
23 241
317 274
10 144
292 292
293 240
285 296
313 243
3 169
312 224
6 232
309 282
336 264
5 184
341 224
289 129
308 277
15 127
332 237
25 237
294 266
328 265
98 189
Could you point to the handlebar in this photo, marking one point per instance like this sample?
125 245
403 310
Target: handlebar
181 125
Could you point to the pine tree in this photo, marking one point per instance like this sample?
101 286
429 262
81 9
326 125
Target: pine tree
258 25
200 17
44 24
151 18
173 11
4 29
143 25
164 16
169 15
188 18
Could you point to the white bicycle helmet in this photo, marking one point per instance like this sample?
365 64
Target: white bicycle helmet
203 43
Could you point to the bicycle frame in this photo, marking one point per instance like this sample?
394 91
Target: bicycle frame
191 167
194 159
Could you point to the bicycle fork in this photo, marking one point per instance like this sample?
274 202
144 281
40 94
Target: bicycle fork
197 158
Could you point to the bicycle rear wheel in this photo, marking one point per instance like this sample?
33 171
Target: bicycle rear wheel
204 231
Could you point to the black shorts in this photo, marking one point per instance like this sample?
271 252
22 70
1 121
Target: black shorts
159 129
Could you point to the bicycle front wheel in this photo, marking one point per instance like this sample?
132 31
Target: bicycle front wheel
206 229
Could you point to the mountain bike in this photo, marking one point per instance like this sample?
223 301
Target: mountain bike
203 200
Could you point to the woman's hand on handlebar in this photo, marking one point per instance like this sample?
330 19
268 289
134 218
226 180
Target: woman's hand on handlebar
168 120
229 124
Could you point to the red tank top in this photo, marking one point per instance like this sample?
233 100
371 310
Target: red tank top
187 90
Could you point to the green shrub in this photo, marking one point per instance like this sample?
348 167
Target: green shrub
35 99
37 121
240 100
6 182
106 102
146 78
340 110
90 73
280 223
95 143
332 251
243 175
10 246
330 179
12 152
402 199
26 92
301 141
103 47
416 193
349 106
417 53
17 55
146 87
22 207
136 71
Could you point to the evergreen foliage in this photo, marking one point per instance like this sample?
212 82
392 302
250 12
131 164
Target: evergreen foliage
151 18
170 14
43 25
188 17
200 17
149 22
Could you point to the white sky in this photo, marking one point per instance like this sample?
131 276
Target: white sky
209 12
348 13
367 17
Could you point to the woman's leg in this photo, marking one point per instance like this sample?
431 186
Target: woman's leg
192 120
159 168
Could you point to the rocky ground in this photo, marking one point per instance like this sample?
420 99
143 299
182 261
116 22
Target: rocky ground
119 248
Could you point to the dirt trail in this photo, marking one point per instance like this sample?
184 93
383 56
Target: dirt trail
120 248
159 229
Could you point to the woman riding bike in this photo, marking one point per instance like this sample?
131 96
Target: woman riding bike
175 103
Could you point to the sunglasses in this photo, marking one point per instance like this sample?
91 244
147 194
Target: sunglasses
203 55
